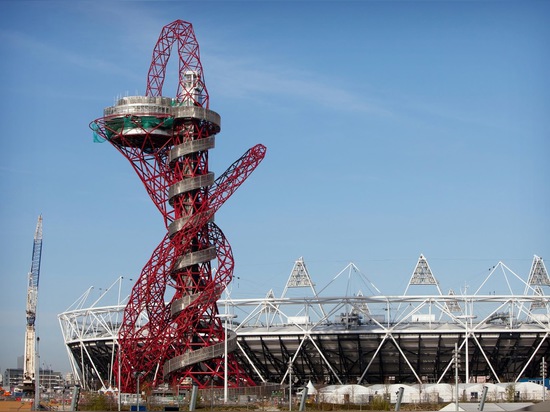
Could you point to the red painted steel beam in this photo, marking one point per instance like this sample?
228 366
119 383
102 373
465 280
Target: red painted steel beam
167 142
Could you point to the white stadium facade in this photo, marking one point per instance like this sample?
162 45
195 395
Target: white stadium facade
359 338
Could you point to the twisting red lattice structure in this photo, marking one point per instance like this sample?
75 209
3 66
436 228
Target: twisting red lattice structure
167 142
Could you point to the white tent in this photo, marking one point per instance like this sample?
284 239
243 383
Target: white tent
310 389
441 392
437 392
358 394
410 393
471 392
529 390
344 394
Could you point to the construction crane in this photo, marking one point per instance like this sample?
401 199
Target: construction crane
29 367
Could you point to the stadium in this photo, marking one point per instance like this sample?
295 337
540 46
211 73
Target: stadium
311 334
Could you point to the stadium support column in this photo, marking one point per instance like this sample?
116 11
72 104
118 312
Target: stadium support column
456 361
225 316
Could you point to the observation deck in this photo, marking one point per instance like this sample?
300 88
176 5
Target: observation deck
147 122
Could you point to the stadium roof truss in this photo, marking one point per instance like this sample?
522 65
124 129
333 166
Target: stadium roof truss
407 338
90 333
362 337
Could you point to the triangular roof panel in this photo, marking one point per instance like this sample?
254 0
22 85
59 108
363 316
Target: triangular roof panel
452 305
422 274
299 277
538 274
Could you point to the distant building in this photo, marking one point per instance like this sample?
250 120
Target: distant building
13 378
48 379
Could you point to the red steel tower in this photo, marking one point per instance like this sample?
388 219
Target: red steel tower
167 141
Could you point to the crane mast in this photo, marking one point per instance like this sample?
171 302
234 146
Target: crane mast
29 367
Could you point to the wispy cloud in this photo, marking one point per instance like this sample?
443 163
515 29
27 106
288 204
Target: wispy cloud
63 57
249 77
252 78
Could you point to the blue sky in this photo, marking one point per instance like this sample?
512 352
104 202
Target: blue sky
393 129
